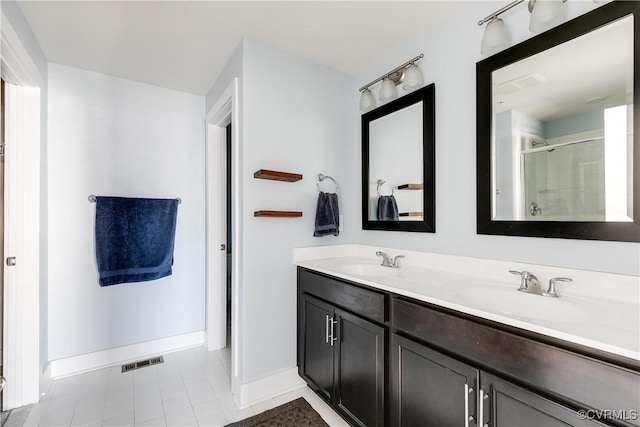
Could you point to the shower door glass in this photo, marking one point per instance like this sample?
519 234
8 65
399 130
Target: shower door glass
565 183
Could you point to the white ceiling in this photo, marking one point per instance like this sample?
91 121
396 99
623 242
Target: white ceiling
598 64
184 45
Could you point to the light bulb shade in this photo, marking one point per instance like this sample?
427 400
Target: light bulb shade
495 37
546 14
412 78
388 90
367 101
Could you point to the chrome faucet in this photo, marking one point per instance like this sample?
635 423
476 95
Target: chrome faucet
529 282
387 261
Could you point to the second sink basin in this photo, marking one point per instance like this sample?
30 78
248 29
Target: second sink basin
523 305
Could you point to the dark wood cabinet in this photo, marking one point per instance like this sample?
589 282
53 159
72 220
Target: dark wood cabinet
429 388
505 404
432 389
447 368
359 369
317 363
342 357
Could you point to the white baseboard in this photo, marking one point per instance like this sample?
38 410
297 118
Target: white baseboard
101 359
268 387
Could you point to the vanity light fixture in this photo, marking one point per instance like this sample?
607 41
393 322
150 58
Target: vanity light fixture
388 91
408 73
412 78
495 37
367 101
545 14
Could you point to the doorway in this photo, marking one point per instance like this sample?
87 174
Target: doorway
22 236
224 230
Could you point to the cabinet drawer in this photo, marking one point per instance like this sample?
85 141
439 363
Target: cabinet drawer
569 376
361 301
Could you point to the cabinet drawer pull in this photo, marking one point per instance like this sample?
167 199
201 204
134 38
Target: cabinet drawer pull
483 397
326 329
467 418
333 322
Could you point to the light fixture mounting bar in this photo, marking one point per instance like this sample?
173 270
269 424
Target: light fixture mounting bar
499 11
395 70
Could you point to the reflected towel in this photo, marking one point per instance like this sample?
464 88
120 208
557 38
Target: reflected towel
387 208
134 239
327 215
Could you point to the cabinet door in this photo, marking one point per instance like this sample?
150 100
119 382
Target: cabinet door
505 404
429 388
360 379
317 352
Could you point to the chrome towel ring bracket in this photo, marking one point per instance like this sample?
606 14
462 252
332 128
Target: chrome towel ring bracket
322 177
379 183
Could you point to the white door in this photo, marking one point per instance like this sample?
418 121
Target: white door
21 355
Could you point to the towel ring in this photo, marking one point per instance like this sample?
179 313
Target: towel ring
380 182
92 198
322 177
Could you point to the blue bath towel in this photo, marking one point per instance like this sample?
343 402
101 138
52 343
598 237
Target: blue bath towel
387 208
327 215
134 239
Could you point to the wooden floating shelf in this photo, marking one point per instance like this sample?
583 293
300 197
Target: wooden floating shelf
411 187
282 214
410 214
277 175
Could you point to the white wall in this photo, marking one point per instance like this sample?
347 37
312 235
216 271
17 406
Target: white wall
109 136
232 69
296 118
451 52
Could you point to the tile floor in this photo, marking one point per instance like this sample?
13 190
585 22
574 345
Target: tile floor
191 388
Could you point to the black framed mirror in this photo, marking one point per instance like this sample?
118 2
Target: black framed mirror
558 129
398 164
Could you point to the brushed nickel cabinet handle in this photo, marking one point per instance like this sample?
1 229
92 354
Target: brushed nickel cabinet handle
333 322
326 329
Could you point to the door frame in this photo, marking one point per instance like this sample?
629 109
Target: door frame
21 311
226 110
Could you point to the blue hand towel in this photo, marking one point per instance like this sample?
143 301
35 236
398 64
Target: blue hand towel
327 215
134 239
387 208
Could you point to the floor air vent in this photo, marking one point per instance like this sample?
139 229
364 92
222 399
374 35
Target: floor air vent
142 363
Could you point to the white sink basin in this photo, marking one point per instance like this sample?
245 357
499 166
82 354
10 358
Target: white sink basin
510 302
368 270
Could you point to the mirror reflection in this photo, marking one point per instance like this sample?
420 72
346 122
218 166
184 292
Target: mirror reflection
395 166
562 135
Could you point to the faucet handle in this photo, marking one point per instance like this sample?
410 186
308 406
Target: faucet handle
520 273
525 277
396 261
551 292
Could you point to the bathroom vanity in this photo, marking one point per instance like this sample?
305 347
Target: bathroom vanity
384 347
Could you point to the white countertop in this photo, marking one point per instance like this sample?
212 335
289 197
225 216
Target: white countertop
611 325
